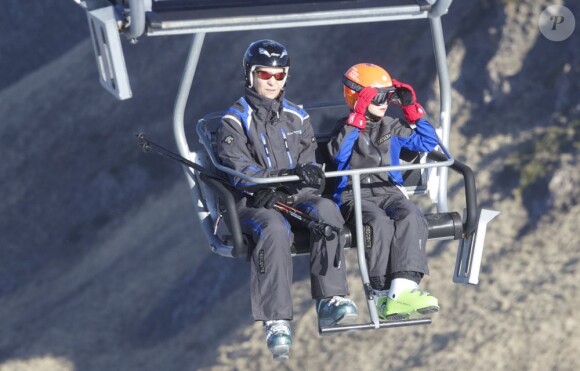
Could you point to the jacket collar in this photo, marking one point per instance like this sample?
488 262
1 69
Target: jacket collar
385 121
262 105
371 124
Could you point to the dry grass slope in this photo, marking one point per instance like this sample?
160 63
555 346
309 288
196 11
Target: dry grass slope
103 266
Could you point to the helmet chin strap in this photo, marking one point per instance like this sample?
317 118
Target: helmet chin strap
250 83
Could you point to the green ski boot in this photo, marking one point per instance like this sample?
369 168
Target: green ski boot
406 304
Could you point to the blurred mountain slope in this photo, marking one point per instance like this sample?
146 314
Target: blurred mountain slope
103 264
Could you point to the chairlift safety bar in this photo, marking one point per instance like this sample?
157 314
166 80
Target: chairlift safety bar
202 132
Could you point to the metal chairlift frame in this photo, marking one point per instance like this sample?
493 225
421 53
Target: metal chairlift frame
137 18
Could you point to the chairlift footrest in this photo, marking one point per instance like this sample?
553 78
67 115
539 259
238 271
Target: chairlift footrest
371 326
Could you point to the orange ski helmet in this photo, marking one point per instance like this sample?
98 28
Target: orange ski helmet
362 75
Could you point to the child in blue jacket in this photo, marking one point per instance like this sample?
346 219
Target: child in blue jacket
395 228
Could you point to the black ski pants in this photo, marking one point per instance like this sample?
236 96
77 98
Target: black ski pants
395 234
271 259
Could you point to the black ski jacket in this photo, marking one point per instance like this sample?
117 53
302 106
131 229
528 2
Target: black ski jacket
262 137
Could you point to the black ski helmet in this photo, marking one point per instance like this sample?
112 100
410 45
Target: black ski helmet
265 53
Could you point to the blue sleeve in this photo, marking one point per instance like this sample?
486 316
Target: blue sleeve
423 139
340 147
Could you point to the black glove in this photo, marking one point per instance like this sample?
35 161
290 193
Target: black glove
411 109
267 197
310 175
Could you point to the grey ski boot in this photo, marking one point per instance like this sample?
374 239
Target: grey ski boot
278 338
335 311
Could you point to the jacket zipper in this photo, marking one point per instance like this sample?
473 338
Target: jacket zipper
378 151
266 150
283 132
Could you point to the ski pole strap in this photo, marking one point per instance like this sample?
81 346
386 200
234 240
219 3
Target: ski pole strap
150 146
324 228
315 225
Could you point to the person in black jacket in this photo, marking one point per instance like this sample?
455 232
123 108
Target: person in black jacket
395 228
264 135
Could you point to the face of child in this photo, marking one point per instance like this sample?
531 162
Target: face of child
378 111
271 87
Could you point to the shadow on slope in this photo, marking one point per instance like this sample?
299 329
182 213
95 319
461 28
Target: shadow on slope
195 296
34 34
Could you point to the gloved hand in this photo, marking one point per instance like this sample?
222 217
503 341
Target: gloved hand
411 109
358 117
310 175
267 197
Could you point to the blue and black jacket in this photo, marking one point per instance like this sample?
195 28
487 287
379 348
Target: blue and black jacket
263 137
378 145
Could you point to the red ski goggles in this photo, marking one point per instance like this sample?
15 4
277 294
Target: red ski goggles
384 95
263 75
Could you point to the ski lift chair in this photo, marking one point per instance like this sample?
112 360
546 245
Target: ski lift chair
212 201
230 242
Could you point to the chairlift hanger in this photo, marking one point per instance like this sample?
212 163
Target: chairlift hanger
139 18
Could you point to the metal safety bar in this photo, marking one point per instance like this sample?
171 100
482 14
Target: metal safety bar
372 326
202 132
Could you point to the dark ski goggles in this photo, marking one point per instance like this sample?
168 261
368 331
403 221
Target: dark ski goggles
263 75
384 95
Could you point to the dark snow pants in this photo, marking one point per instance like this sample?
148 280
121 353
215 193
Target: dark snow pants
271 259
395 235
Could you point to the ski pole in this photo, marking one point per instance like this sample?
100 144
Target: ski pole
149 145
317 225
314 224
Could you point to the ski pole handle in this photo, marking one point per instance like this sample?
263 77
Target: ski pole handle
314 224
